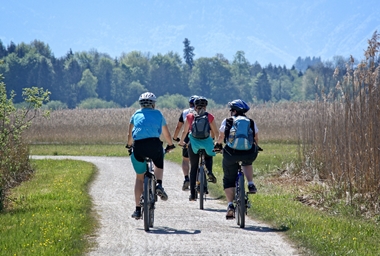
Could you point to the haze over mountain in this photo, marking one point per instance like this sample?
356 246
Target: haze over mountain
268 31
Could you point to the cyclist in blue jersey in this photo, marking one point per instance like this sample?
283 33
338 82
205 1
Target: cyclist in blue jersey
185 154
145 128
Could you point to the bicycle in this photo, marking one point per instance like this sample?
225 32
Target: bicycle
241 198
201 183
149 197
241 201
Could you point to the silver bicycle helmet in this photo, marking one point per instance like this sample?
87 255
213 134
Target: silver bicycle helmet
147 99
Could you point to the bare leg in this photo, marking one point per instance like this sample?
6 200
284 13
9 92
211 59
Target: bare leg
159 173
185 166
139 187
230 194
248 171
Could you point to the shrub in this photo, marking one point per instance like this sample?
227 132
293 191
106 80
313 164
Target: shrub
14 155
55 105
95 103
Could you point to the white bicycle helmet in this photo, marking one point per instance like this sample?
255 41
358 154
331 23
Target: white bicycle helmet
147 99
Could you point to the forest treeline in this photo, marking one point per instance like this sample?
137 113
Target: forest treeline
90 75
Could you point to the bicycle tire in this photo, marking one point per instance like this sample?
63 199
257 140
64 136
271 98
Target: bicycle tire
146 206
241 202
201 186
152 201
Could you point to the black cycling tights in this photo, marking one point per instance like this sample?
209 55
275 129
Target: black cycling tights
194 162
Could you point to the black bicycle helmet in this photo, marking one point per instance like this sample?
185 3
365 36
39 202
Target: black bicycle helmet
239 105
147 99
200 102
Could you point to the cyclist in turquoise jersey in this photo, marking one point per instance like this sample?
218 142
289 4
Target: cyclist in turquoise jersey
195 144
145 128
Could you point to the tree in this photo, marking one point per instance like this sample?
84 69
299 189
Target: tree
87 86
3 50
188 53
262 88
11 47
104 74
212 78
73 74
241 74
165 75
138 64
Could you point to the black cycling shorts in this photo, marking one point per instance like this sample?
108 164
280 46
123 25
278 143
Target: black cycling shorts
150 147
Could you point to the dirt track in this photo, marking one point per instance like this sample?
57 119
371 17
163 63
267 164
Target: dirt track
181 228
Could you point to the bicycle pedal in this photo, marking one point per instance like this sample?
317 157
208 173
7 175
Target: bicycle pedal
230 217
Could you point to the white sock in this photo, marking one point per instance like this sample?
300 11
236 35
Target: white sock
250 183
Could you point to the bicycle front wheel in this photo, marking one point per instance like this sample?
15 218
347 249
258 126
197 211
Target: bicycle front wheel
240 202
202 181
146 206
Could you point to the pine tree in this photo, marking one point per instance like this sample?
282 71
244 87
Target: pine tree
188 53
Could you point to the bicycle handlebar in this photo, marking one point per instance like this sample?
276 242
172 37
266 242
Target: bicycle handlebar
167 149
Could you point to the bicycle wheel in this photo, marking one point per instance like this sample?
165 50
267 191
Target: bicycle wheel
146 206
152 200
240 202
202 181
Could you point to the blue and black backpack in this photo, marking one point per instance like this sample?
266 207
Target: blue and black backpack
241 134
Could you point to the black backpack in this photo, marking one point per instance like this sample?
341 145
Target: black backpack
200 128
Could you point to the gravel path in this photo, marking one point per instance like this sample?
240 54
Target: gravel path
180 227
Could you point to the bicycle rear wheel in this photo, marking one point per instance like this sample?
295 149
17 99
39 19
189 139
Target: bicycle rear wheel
240 198
146 206
202 181
152 202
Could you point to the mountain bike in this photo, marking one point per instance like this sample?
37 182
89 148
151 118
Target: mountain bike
149 197
201 183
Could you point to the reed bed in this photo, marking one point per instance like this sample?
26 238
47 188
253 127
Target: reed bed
342 140
276 122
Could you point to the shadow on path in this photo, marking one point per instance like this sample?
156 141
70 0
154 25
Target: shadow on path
262 229
172 231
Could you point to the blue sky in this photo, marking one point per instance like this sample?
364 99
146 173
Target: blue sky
268 31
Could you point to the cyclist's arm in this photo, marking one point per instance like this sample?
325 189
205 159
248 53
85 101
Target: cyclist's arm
184 133
257 138
130 139
221 137
177 129
167 136
222 128
214 129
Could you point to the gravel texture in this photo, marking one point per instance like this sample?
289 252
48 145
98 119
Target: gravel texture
180 227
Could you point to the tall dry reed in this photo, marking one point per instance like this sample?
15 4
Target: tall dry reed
276 122
342 143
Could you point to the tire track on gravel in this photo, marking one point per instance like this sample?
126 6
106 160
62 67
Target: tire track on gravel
180 227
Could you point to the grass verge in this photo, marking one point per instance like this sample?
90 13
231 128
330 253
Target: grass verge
315 232
51 213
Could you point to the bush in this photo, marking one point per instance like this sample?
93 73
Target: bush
14 155
94 103
176 101
55 105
